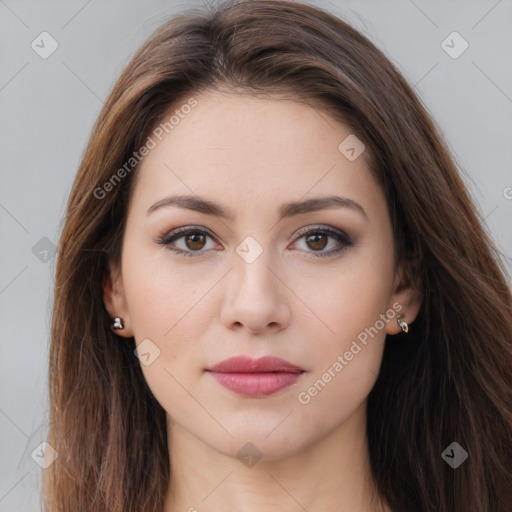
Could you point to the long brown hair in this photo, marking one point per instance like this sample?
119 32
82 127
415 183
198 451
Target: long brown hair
449 379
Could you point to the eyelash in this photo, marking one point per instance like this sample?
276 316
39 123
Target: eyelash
178 233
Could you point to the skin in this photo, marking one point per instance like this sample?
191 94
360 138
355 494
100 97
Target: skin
253 154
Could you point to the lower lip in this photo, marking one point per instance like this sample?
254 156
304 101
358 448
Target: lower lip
256 384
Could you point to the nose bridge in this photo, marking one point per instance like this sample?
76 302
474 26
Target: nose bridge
254 297
252 267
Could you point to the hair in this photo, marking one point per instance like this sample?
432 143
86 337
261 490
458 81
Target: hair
449 379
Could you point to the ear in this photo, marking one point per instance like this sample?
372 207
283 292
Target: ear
406 292
115 300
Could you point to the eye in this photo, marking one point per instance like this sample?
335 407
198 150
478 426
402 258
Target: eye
317 240
193 243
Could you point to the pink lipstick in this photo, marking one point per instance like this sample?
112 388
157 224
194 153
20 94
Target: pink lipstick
255 377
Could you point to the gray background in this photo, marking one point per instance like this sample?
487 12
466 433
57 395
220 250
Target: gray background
48 107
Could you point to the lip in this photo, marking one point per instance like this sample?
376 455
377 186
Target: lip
246 364
255 377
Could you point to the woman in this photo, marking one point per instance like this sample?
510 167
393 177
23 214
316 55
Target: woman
273 291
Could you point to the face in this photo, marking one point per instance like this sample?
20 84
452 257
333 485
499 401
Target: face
264 270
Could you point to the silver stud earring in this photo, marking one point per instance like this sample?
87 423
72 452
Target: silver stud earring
118 323
402 323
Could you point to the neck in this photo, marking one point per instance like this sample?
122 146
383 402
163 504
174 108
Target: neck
330 474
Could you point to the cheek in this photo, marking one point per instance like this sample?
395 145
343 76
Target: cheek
165 307
346 365
350 296
172 313
160 291
353 304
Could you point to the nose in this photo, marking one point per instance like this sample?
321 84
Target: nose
256 298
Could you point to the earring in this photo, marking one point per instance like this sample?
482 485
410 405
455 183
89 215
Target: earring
402 323
118 323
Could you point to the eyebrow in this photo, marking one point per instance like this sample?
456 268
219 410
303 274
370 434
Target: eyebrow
209 207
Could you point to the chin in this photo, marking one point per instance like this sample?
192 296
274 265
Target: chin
261 442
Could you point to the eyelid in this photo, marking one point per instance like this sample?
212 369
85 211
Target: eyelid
185 230
321 228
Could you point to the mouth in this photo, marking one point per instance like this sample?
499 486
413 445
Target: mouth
255 377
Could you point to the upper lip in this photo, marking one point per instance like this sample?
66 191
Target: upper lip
246 364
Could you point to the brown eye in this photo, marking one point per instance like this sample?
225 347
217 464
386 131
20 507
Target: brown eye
195 241
314 241
187 241
317 241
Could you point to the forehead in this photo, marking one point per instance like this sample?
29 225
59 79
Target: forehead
227 144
